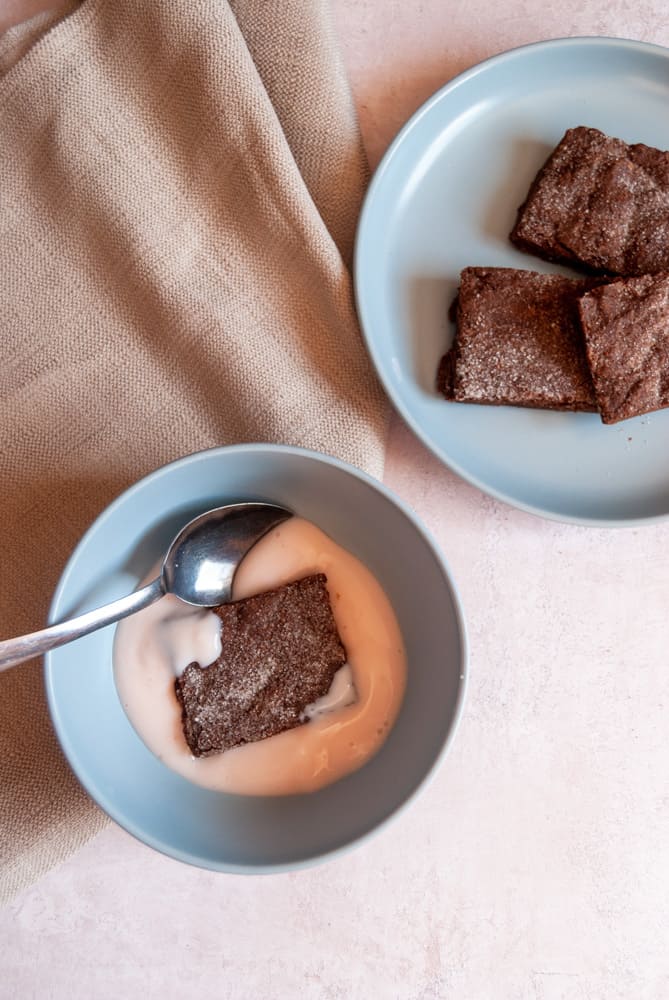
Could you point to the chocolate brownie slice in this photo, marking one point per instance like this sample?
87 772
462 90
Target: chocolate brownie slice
626 329
280 652
518 341
599 204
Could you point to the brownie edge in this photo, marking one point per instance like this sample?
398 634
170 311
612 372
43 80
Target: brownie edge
446 374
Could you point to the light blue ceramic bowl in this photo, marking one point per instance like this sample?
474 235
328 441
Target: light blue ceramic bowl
237 833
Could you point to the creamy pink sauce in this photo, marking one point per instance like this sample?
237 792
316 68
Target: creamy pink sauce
153 646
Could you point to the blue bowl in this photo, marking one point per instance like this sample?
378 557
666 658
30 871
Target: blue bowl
240 833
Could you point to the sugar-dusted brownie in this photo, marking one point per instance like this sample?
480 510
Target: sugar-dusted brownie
518 341
280 652
626 329
599 204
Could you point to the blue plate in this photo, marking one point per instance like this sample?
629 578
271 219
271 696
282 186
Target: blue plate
445 196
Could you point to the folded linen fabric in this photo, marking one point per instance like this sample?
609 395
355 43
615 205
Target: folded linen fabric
179 185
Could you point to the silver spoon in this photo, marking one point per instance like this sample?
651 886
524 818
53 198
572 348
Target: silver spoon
199 568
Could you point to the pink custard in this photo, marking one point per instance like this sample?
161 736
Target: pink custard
344 729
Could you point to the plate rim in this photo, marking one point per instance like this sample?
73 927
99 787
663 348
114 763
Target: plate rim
485 65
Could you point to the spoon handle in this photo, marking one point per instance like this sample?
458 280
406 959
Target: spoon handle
13 651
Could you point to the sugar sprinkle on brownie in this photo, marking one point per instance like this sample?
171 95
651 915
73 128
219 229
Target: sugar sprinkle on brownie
279 653
626 329
518 341
599 204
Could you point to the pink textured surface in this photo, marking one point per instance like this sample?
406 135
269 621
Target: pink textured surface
536 865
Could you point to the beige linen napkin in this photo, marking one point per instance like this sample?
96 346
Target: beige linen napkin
179 184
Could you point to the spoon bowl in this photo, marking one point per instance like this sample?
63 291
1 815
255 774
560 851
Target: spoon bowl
202 560
199 568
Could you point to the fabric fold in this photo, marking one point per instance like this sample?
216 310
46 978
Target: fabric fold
180 188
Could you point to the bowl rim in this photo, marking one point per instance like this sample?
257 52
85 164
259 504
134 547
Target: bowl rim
318 857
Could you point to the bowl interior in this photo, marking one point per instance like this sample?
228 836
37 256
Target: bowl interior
230 832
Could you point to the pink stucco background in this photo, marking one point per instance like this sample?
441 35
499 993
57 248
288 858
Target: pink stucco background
536 864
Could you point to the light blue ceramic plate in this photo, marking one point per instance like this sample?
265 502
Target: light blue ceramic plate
445 196
239 833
